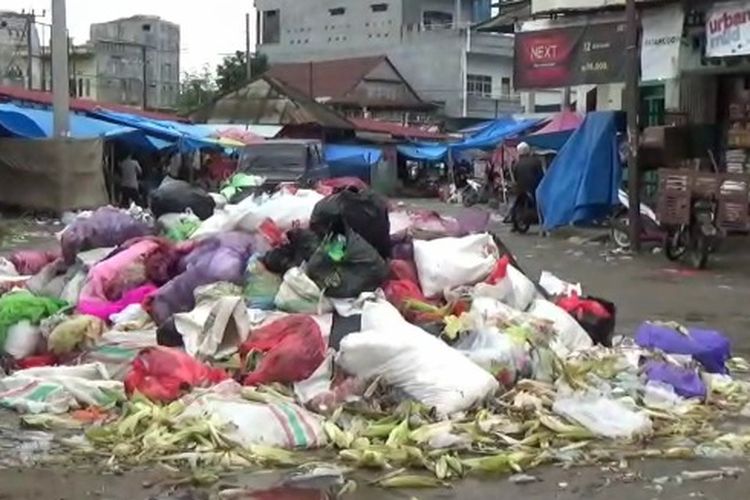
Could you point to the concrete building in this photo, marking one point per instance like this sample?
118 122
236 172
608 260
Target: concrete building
14 50
129 49
468 74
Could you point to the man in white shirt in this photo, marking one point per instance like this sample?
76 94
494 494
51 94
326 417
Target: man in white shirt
130 171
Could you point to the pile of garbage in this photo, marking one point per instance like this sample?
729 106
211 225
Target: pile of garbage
307 326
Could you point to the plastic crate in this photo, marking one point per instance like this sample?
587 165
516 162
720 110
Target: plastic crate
734 205
675 188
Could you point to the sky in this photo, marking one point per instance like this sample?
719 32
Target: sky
209 29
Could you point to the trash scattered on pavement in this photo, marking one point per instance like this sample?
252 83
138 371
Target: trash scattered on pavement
324 334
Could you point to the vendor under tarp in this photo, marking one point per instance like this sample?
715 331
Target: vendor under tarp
556 133
582 182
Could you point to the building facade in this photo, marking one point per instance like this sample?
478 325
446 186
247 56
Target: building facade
468 74
129 50
15 30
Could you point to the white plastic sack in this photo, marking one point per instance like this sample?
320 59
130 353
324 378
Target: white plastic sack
523 289
60 389
7 269
603 416
502 355
249 423
447 263
116 350
133 317
557 287
22 339
570 336
285 209
214 329
413 361
299 294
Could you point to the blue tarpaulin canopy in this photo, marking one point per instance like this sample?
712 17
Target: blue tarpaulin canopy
355 156
494 133
556 133
33 123
423 152
489 136
582 182
346 160
187 138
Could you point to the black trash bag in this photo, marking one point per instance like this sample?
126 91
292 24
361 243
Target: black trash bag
364 211
360 269
343 326
168 336
301 244
600 329
176 196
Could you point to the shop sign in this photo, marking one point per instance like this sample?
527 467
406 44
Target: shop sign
563 57
661 41
728 29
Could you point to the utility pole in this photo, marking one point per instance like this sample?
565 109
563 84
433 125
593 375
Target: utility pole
144 53
30 50
248 58
632 79
60 89
457 17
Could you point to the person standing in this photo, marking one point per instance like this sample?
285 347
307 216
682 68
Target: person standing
130 172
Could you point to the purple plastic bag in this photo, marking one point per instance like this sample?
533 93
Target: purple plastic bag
709 347
686 382
220 258
107 227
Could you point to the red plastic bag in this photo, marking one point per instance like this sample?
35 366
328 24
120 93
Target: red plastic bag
30 262
578 307
293 348
403 270
329 186
499 272
399 292
163 374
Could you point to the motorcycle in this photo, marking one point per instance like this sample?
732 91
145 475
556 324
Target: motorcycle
651 229
699 238
524 213
476 192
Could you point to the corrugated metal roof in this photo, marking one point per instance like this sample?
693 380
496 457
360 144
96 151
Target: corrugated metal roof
80 105
269 101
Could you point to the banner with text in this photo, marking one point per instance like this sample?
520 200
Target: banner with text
661 41
563 57
728 29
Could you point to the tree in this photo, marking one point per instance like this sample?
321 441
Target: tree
231 74
196 89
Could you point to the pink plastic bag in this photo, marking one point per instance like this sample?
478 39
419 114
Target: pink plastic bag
110 278
104 309
30 262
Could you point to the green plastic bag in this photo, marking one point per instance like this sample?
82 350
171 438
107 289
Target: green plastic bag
24 305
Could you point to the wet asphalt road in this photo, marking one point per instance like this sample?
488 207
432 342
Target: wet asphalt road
646 287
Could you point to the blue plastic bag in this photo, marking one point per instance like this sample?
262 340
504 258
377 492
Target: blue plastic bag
708 347
686 382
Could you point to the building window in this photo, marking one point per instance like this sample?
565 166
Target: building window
435 19
271 27
80 87
338 11
88 87
505 86
479 85
379 7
